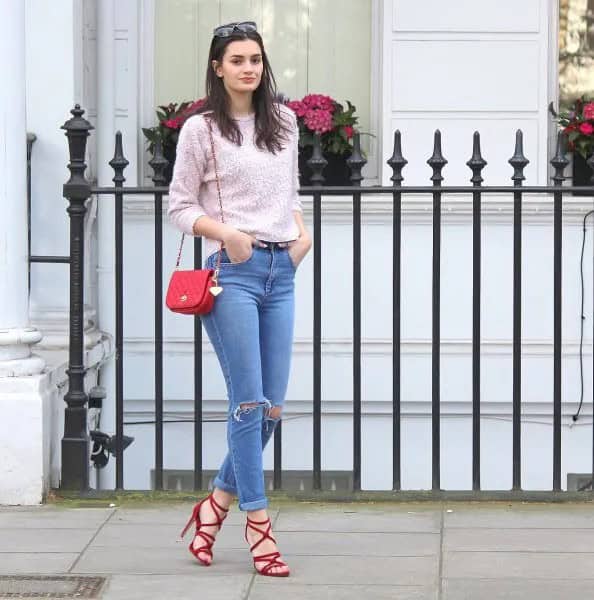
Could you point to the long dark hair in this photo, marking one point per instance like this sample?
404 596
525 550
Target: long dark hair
270 128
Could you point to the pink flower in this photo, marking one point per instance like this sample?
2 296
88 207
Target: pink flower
589 111
319 101
297 107
586 128
318 120
349 131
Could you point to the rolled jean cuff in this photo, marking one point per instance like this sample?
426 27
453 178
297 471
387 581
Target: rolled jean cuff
219 483
254 505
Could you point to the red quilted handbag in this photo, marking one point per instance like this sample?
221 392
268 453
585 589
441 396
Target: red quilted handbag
193 292
190 292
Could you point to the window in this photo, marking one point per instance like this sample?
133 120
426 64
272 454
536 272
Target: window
314 47
576 49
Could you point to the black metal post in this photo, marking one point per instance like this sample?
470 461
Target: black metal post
198 372
159 163
119 163
356 163
31 137
559 162
317 163
476 164
397 162
518 161
437 163
75 442
277 479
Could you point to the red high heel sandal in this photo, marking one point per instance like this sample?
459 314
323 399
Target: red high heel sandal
207 537
272 558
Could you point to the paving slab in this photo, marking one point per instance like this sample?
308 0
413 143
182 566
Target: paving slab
181 587
411 571
39 563
516 589
522 516
136 535
339 592
519 540
347 543
360 520
161 561
529 565
177 515
48 517
49 540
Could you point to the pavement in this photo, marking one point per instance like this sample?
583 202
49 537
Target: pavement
346 551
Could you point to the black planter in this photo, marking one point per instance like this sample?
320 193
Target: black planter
581 174
169 154
337 171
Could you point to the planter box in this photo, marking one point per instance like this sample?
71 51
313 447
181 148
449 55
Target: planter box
581 174
337 171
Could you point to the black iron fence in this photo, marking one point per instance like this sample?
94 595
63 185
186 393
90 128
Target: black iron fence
75 445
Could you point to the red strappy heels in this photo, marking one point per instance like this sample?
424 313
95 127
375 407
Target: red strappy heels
207 537
272 559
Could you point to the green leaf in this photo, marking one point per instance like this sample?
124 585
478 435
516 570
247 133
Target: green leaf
150 134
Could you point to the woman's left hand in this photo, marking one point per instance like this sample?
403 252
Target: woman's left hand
298 248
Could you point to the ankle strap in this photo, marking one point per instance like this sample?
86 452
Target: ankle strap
267 520
213 501
265 534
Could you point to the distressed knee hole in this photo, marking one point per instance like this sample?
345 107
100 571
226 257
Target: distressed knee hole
246 407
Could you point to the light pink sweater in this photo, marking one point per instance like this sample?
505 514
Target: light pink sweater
258 188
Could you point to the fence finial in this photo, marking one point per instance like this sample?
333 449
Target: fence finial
559 161
518 161
437 161
397 162
118 163
356 161
158 164
477 163
317 163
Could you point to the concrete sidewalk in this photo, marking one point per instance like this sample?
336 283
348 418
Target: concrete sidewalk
453 551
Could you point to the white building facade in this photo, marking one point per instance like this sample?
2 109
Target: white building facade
413 66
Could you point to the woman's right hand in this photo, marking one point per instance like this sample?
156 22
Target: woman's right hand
239 245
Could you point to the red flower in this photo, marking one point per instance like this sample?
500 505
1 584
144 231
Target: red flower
587 128
192 108
349 131
589 111
172 123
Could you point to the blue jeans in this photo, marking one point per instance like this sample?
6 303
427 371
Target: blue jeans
251 331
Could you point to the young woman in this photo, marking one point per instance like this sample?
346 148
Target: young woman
264 240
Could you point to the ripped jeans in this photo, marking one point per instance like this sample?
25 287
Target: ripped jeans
251 330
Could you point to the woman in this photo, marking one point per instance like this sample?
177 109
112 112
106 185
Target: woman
263 241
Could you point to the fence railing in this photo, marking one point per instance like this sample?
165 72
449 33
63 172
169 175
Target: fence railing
75 445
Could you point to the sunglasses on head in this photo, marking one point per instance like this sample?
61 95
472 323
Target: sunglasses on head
226 30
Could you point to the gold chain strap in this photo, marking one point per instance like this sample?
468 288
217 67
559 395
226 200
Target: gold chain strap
214 158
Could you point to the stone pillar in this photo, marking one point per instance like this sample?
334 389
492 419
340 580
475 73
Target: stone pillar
15 335
24 463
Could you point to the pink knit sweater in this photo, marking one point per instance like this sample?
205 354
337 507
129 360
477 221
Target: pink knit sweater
258 188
